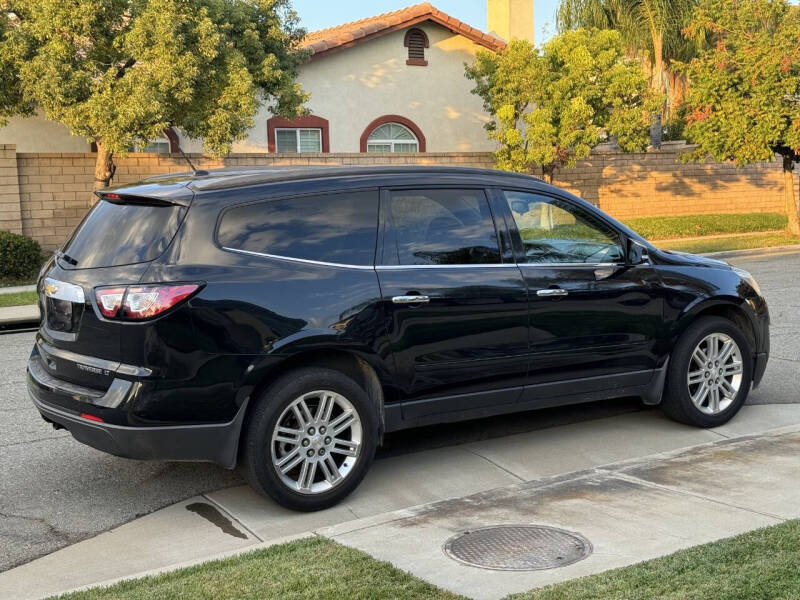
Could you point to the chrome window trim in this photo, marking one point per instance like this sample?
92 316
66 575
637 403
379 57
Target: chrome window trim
305 261
479 265
575 264
322 263
61 290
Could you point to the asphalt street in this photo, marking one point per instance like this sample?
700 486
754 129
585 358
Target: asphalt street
55 491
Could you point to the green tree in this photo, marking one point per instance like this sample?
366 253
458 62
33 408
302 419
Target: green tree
550 108
652 29
119 72
744 103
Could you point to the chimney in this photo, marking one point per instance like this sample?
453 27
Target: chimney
511 19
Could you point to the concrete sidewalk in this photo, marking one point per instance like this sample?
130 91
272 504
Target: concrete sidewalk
10 315
531 473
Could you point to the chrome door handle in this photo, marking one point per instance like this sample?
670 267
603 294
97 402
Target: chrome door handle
552 292
411 299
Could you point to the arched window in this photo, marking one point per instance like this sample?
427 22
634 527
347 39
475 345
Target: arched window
392 137
392 133
416 41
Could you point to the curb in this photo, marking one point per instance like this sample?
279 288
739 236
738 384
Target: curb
768 251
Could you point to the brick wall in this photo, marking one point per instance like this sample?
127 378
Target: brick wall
659 184
10 210
51 192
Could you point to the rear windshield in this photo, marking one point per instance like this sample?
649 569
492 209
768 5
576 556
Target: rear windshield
114 234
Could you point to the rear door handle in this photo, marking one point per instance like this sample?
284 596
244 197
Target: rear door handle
552 292
411 299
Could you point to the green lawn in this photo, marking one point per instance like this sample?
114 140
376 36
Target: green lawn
757 565
17 298
757 240
314 568
661 228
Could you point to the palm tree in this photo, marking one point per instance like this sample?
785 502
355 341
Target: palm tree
652 30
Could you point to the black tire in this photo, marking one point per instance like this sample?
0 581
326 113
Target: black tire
677 403
257 463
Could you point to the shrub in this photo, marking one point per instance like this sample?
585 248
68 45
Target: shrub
20 256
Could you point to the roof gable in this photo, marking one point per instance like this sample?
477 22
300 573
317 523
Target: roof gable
326 41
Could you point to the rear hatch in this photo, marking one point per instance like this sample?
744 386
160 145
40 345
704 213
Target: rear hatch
113 246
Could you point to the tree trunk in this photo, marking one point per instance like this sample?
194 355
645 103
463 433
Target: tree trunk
658 61
790 195
676 93
103 167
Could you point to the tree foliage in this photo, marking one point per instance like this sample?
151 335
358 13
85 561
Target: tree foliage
744 103
745 96
118 72
652 29
550 108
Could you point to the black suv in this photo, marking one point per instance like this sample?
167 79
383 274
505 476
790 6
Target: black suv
285 320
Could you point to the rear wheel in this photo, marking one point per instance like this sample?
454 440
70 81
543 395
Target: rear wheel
710 373
310 439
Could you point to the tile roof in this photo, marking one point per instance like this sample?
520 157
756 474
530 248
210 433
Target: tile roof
325 41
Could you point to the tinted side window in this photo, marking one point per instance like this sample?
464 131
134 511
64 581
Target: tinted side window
443 227
555 231
336 228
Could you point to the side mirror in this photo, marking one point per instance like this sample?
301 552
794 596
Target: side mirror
637 253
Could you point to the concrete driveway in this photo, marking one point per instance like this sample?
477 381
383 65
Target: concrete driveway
56 492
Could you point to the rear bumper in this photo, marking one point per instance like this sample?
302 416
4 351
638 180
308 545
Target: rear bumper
217 443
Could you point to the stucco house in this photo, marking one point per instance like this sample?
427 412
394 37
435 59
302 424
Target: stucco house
390 83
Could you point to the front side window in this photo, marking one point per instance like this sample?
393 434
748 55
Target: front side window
298 140
442 227
392 137
555 231
335 228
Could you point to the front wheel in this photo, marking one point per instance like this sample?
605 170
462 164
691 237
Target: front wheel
310 439
710 373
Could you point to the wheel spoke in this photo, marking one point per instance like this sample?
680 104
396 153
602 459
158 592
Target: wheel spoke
302 413
696 376
727 349
287 435
732 369
700 357
342 422
727 389
345 447
324 409
713 401
290 461
329 469
700 395
307 473
713 347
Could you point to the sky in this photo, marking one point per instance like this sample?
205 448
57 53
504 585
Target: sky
319 14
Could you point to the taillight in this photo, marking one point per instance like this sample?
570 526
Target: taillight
136 303
109 300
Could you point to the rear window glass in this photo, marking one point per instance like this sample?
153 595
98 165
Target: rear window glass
115 234
335 228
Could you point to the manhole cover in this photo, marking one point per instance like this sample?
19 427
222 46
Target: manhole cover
518 547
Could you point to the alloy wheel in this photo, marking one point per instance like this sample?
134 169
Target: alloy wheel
316 442
715 373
